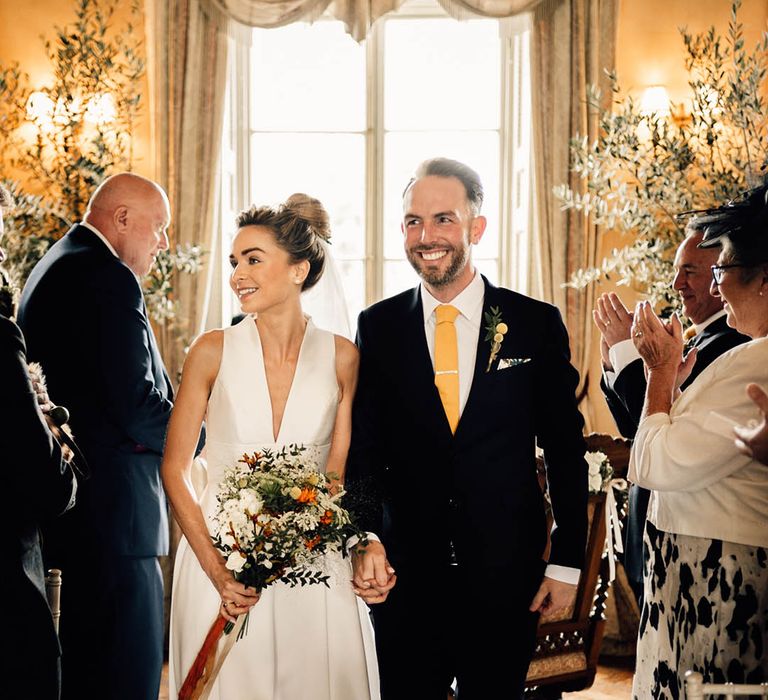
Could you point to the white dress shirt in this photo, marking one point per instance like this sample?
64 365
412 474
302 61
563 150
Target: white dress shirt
469 302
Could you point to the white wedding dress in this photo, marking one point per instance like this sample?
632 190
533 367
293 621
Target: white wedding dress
302 643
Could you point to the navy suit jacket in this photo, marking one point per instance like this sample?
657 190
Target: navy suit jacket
475 495
83 315
625 401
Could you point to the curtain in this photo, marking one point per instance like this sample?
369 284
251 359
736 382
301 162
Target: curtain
187 51
573 44
358 15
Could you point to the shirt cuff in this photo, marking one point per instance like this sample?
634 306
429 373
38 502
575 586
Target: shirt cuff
564 574
622 354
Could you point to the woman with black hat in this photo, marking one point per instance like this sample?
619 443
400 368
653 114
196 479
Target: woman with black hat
706 542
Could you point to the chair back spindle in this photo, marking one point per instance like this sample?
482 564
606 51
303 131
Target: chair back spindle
53 593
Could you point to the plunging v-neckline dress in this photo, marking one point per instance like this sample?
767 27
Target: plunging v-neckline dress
302 643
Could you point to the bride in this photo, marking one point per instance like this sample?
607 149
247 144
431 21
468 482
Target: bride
273 379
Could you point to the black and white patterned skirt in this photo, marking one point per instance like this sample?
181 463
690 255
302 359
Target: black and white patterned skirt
705 609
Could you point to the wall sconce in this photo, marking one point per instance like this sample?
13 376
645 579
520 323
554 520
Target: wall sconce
655 102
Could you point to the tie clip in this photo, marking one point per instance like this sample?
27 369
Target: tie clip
447 371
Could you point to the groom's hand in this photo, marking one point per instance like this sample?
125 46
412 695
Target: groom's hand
553 596
373 576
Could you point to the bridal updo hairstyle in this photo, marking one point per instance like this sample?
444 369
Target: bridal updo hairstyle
299 225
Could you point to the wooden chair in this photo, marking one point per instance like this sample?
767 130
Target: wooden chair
697 689
53 593
567 648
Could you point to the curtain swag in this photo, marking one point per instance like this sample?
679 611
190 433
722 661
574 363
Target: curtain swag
357 15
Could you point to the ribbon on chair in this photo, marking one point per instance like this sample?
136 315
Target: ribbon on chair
613 541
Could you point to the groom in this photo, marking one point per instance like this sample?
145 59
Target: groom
458 382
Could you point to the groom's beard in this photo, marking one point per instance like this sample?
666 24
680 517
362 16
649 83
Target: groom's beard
437 278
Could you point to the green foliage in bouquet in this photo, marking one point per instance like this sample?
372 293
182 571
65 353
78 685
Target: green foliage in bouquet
644 170
277 516
66 138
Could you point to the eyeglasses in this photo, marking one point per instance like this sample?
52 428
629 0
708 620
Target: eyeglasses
718 271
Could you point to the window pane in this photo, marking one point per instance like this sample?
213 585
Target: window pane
307 77
489 268
329 167
441 74
404 151
398 276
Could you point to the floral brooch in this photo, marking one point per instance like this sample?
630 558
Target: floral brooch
495 329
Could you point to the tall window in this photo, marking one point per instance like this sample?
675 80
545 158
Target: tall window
310 110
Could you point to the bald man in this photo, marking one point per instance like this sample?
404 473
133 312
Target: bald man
83 314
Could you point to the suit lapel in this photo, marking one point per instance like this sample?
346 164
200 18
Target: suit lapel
482 356
713 329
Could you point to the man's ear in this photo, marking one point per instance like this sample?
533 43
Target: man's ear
120 218
477 229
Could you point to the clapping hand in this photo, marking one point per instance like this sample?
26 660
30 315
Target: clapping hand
614 322
660 343
752 440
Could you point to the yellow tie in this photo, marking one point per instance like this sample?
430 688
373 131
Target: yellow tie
447 362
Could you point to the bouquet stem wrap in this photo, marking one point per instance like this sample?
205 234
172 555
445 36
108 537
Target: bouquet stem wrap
207 664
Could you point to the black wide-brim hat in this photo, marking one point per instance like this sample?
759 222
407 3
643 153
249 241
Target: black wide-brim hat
746 214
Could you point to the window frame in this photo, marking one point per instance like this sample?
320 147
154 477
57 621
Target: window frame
514 219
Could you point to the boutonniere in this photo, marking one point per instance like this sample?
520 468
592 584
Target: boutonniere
495 329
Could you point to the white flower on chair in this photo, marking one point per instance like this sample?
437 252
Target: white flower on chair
600 471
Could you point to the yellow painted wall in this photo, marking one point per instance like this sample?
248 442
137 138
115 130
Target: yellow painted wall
22 23
650 51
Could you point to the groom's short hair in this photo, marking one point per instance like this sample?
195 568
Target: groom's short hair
445 167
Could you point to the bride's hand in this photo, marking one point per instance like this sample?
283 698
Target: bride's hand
236 598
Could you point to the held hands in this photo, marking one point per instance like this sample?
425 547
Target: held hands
552 597
373 576
751 439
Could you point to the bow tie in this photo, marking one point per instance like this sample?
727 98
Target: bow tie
689 335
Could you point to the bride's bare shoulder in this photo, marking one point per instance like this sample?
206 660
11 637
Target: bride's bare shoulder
347 359
204 355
